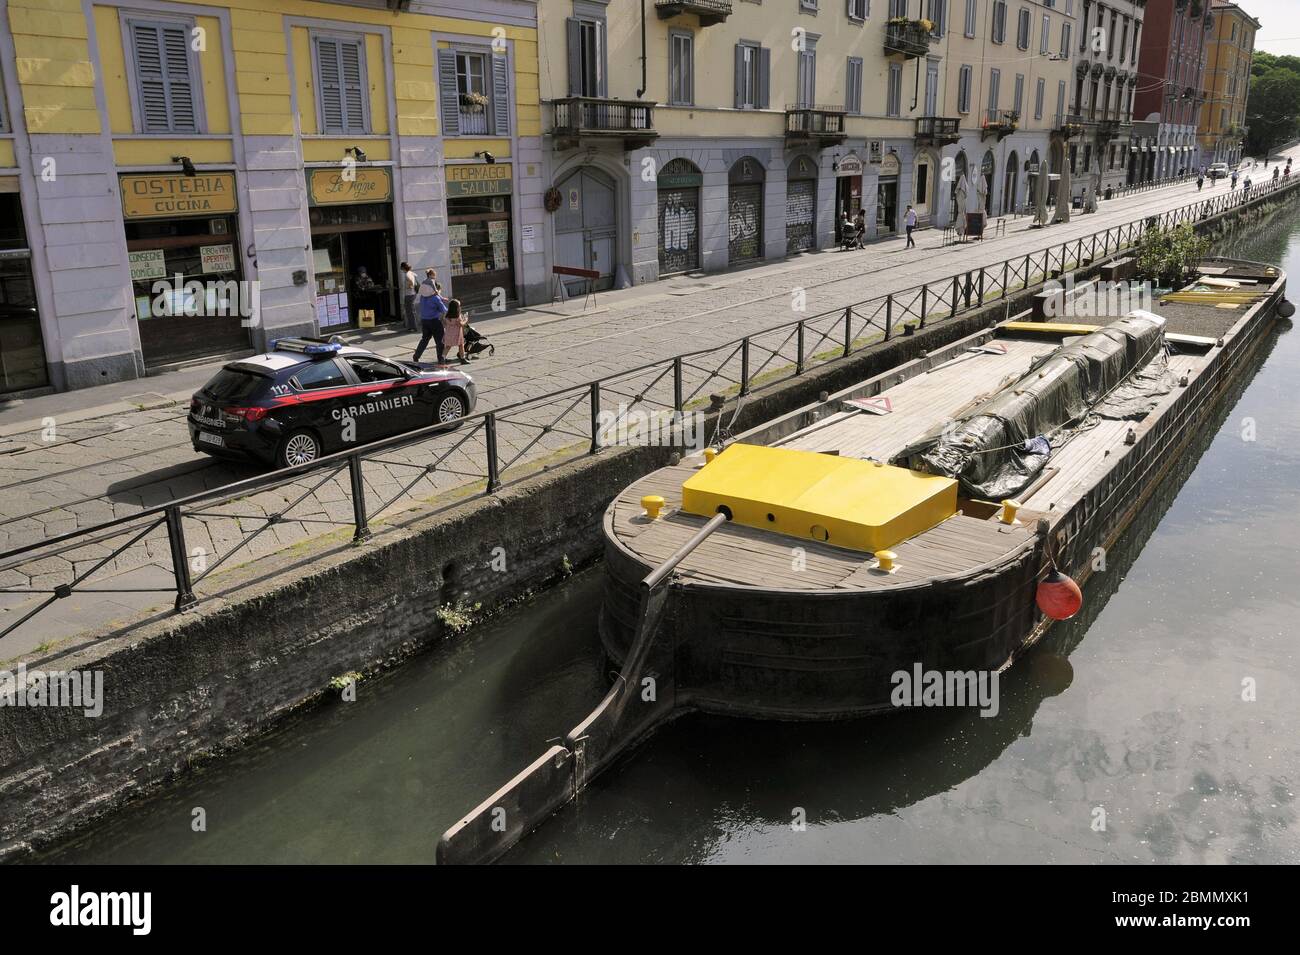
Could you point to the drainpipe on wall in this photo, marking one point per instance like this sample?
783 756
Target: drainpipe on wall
644 83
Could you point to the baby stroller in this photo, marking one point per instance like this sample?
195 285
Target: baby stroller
850 237
476 344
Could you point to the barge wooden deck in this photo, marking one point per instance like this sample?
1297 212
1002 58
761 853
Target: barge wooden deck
960 546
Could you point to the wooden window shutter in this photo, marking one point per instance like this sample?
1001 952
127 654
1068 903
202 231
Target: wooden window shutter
448 93
574 30
180 84
330 85
500 95
353 82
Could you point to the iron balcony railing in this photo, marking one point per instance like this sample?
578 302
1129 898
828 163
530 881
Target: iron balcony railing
907 37
579 116
433 467
938 130
816 123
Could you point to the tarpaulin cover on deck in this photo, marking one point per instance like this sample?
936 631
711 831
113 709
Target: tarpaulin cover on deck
992 451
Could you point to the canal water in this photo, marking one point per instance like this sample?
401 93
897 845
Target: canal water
1124 738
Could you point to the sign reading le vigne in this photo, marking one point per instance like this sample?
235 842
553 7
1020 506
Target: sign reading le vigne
327 187
151 196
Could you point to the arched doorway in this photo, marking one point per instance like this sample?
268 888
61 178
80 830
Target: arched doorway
586 226
1011 184
679 184
745 211
801 205
960 168
988 167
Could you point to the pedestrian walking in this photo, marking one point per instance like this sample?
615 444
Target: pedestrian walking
1246 186
1276 173
432 307
1200 182
860 223
453 331
1233 187
909 221
410 297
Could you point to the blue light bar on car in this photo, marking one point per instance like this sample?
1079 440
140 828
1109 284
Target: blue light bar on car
306 347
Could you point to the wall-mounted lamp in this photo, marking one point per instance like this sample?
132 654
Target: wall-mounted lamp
357 153
486 156
835 163
187 166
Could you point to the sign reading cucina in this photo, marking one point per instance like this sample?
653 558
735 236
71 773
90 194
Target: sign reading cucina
155 196
335 186
478 179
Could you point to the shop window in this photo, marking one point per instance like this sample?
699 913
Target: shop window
22 348
165 82
478 229
341 92
474 93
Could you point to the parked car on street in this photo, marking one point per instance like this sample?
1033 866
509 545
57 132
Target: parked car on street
1218 170
309 397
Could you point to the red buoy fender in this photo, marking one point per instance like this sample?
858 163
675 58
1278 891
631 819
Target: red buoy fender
1058 596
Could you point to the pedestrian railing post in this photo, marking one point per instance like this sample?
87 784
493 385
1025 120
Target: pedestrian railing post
1006 277
180 559
799 356
360 522
889 315
677 384
848 330
954 296
490 437
593 401
981 288
744 366
925 307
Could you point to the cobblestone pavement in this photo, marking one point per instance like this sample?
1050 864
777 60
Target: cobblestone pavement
111 467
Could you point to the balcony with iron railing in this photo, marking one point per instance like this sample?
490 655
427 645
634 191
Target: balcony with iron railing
907 38
818 125
937 130
708 11
1071 126
1000 122
576 118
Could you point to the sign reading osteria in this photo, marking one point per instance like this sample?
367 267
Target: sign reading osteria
154 196
478 179
328 187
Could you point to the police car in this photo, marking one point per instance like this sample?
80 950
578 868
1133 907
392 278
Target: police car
309 397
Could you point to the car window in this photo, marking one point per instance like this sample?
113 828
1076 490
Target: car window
321 374
231 384
373 369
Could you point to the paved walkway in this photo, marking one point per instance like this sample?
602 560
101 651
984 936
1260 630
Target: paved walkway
119 448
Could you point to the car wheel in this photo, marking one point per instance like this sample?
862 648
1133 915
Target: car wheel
297 447
451 407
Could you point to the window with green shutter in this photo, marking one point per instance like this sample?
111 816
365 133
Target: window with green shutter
341 94
165 81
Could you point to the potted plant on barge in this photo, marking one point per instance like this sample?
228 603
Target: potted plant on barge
1167 256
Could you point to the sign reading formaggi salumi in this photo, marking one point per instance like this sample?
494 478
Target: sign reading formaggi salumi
334 186
478 179
156 196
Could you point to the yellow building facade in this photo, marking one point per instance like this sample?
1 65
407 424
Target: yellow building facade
1231 47
193 179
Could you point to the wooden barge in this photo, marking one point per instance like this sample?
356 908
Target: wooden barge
727 591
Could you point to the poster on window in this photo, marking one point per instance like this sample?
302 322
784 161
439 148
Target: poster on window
146 265
217 258
457 263
458 235
500 255
498 231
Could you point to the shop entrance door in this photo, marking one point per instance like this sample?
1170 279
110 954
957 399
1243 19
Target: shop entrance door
373 252
887 205
22 350
586 228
